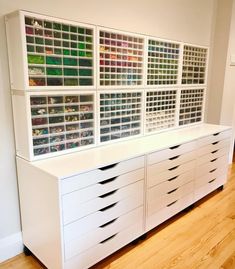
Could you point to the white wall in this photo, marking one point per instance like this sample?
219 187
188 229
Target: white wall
184 20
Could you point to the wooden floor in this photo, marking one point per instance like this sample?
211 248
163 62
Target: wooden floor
201 238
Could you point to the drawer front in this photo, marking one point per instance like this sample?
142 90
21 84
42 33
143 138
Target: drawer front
98 175
167 212
99 218
213 155
75 245
154 177
73 210
105 248
213 138
210 177
106 186
213 147
210 186
174 161
170 152
211 166
156 203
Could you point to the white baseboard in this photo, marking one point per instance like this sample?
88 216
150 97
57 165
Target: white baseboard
11 246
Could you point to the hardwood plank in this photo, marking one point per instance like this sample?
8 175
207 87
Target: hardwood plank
202 238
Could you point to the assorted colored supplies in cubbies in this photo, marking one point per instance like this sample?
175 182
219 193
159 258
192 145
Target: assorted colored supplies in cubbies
61 122
191 106
120 115
59 54
121 59
160 110
194 65
163 62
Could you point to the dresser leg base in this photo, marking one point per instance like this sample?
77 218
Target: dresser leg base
27 252
137 240
189 208
221 188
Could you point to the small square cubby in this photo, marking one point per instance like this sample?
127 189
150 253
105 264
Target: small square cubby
62 122
121 59
163 62
191 106
160 109
120 115
59 53
194 65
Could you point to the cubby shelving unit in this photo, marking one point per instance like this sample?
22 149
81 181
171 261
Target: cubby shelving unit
191 105
121 58
194 65
163 62
137 84
120 115
160 110
54 52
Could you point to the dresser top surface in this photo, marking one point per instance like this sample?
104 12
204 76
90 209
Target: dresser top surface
79 162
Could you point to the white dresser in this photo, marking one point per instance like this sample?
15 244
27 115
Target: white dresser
79 208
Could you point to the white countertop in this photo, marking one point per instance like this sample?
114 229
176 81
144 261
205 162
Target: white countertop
75 163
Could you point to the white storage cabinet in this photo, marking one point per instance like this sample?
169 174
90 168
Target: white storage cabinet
75 215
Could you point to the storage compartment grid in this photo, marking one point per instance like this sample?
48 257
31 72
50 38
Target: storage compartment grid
58 54
194 65
121 59
191 106
163 62
120 115
61 122
160 109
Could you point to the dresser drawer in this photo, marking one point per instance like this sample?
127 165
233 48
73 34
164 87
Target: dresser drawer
174 161
210 186
75 245
210 177
98 175
213 147
154 177
73 210
167 212
156 201
212 155
170 152
99 218
211 166
214 138
105 247
171 184
106 186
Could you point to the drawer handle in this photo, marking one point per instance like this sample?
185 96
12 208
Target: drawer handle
172 203
107 194
213 170
169 192
173 168
107 239
212 180
108 167
108 223
173 158
214 160
108 207
174 147
216 134
213 152
215 143
173 178
107 180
